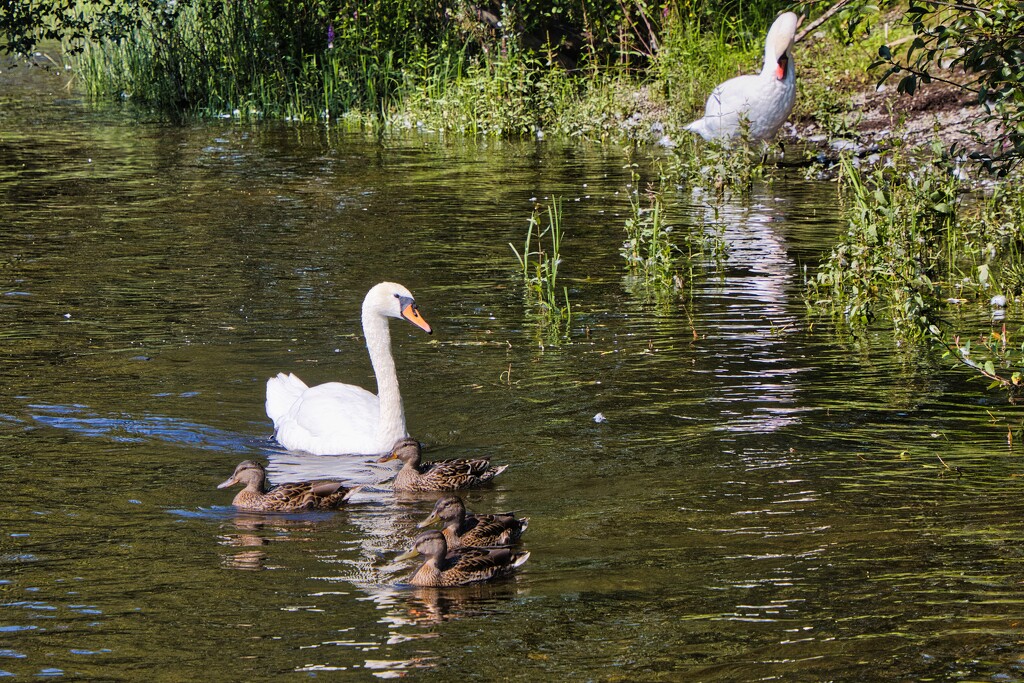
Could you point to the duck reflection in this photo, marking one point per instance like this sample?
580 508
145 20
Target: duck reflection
418 606
250 531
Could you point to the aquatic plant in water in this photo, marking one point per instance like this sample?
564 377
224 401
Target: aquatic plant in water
991 358
720 166
898 249
991 249
539 267
918 251
662 259
648 249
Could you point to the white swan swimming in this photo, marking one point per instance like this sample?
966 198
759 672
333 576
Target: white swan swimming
765 100
335 418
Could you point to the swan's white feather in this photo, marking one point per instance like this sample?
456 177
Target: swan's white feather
330 418
335 418
764 100
282 392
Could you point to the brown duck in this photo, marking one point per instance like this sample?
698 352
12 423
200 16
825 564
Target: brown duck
461 528
443 475
290 497
442 567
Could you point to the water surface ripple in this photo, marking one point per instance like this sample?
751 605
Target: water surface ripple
765 498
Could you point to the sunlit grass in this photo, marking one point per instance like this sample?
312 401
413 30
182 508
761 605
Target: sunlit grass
383 69
539 263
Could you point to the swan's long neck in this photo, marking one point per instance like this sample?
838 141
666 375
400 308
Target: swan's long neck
771 61
779 42
391 423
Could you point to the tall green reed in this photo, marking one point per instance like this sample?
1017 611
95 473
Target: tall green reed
539 262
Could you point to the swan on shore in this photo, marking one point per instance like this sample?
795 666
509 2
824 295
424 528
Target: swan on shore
764 101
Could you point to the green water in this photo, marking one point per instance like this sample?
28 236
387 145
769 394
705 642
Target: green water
765 500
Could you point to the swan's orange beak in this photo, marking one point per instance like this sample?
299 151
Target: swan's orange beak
412 314
780 70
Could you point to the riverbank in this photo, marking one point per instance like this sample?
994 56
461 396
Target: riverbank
840 106
917 238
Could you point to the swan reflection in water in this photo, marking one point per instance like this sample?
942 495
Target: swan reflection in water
752 307
284 466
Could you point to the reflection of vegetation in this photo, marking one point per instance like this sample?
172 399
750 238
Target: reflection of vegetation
663 260
540 270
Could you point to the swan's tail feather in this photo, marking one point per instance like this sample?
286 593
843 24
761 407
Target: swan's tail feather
282 392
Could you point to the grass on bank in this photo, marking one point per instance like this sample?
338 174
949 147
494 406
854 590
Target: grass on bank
207 58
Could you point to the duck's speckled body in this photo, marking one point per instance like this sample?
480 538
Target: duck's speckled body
443 475
290 497
458 567
466 529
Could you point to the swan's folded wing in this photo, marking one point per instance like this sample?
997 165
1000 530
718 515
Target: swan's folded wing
334 407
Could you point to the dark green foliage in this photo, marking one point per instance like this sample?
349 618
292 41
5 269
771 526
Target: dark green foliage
24 23
986 42
322 58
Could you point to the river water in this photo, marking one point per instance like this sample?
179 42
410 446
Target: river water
763 498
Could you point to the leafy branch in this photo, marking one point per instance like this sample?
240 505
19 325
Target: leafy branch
984 41
995 346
